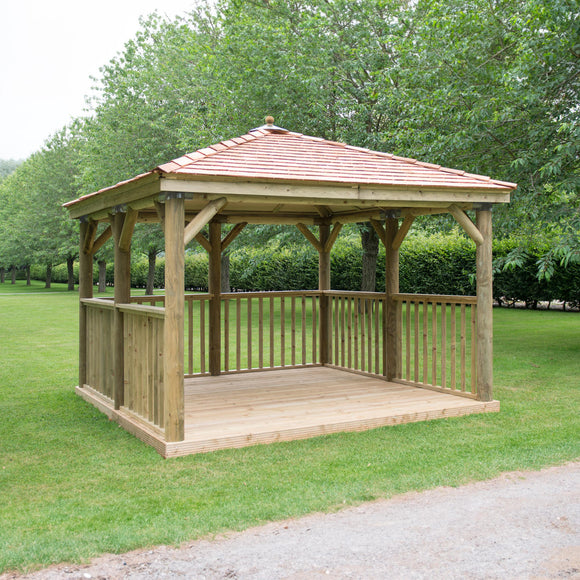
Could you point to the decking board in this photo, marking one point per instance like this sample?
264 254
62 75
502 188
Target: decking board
231 411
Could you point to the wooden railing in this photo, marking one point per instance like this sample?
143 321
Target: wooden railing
100 315
143 361
438 342
356 331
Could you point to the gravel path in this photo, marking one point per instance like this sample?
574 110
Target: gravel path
520 525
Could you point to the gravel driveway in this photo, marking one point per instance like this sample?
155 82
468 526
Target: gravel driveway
520 525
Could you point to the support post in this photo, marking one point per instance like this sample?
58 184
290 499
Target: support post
214 288
324 284
122 296
85 291
392 324
484 279
174 319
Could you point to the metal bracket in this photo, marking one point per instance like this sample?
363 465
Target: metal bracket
174 195
483 206
121 208
391 213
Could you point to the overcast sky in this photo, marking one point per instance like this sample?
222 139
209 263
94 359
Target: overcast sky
49 49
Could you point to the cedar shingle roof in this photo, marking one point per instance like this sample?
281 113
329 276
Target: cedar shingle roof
278 155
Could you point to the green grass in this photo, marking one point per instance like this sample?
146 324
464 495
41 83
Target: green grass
74 485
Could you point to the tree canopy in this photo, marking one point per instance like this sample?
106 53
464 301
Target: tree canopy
487 86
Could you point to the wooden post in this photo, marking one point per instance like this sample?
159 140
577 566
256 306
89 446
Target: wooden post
392 327
324 284
484 307
173 334
122 296
214 288
85 291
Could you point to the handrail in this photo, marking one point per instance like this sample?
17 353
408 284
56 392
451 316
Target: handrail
437 298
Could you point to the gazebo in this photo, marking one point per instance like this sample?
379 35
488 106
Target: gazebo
188 373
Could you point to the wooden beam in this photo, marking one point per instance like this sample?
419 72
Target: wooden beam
378 226
392 326
233 234
85 291
202 218
403 230
310 237
214 288
324 284
323 210
201 239
91 230
463 220
267 219
102 239
484 280
122 287
332 238
128 227
173 333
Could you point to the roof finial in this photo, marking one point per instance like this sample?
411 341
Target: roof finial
269 121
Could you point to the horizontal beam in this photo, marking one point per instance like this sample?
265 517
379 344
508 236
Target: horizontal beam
202 218
463 220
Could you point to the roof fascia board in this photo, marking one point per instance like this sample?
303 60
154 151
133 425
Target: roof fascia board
124 194
325 194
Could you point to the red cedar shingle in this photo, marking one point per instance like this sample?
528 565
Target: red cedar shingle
288 156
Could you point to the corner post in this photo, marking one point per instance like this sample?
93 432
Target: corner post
392 323
484 277
122 296
214 288
85 291
173 338
323 285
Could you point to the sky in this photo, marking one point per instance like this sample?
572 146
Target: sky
49 49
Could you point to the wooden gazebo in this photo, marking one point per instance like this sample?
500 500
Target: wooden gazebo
175 369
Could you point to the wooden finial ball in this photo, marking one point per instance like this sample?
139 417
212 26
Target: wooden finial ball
269 120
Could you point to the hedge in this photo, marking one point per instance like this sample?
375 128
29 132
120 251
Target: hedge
435 264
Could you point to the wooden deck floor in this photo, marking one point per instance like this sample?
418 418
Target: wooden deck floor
238 410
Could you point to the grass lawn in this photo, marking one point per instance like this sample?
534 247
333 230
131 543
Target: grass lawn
74 485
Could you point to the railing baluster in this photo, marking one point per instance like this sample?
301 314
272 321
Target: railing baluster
249 331
473 348
303 329
238 333
202 335
434 343
293 329
272 349
443 344
189 336
425 342
282 332
453 346
377 337
226 335
463 347
261 332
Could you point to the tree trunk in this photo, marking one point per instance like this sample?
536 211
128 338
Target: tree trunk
102 275
151 273
13 274
2 275
70 272
370 245
27 275
48 276
225 283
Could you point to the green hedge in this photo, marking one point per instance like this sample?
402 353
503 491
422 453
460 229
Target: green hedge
436 264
